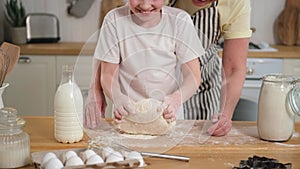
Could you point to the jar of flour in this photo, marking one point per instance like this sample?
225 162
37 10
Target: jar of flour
279 102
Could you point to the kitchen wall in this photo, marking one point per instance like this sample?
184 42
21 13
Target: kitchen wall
264 14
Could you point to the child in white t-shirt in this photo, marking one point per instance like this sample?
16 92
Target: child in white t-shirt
148 50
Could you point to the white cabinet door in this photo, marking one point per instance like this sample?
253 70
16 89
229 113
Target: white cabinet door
292 67
32 86
82 72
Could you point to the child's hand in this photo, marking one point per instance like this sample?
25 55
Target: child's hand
123 106
173 103
94 109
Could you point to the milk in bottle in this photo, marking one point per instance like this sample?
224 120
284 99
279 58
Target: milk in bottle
68 108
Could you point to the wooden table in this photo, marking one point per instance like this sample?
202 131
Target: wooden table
218 152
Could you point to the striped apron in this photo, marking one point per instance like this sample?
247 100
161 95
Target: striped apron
206 101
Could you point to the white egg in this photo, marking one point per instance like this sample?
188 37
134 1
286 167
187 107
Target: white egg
68 155
124 153
114 157
94 159
86 154
106 151
46 158
135 155
74 160
54 163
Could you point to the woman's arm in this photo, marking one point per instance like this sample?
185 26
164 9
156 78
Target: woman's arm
234 59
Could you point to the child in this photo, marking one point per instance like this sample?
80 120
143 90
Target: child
148 50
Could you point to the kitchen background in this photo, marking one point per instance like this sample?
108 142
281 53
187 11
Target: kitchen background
72 29
47 67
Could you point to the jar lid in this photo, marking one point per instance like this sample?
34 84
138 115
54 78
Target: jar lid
9 119
279 78
294 98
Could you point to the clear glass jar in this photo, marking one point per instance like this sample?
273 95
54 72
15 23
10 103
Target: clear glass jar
14 142
278 104
68 108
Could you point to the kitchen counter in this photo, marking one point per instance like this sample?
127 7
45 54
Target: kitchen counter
76 48
215 152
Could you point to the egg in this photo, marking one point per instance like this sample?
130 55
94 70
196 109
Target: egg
54 163
68 155
106 151
137 156
114 157
86 154
74 160
46 158
94 159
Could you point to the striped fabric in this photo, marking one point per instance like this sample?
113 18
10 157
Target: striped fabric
205 102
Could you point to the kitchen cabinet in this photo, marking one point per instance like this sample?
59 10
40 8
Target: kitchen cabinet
32 85
82 70
34 81
292 67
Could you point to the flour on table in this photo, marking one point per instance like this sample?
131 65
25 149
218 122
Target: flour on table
138 136
147 119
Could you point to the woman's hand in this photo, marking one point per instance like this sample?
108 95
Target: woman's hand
221 125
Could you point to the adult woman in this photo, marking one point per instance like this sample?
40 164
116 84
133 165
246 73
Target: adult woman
229 19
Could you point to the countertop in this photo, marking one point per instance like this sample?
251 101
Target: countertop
215 152
76 48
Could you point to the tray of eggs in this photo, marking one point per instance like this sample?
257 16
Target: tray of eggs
81 158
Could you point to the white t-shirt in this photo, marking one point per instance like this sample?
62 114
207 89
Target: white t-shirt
149 58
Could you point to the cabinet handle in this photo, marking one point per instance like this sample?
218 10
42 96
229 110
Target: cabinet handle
24 60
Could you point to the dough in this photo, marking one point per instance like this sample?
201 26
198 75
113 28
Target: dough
147 119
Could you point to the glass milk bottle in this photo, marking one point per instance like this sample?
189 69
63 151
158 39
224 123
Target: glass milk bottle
278 103
68 108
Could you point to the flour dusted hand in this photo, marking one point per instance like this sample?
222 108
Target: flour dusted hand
221 125
123 106
172 102
94 110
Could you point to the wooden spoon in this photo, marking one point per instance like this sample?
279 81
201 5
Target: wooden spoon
13 52
4 64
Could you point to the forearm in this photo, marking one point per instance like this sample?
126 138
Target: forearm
95 86
234 73
110 79
231 91
191 80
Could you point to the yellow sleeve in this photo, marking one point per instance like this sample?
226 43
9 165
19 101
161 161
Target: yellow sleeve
235 18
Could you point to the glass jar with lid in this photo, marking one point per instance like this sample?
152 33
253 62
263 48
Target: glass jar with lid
14 142
279 102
